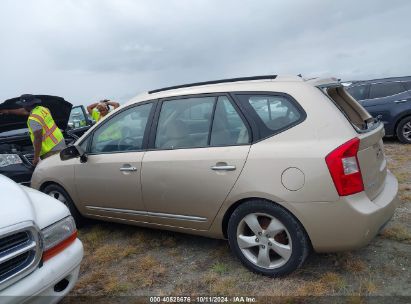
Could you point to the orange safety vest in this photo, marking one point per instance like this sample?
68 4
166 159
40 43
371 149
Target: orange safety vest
52 135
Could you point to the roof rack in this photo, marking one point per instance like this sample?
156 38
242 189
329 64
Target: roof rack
213 82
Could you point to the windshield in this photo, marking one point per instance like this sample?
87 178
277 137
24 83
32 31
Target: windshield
77 118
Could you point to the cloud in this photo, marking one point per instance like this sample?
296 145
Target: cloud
89 49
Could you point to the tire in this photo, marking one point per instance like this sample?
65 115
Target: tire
61 195
288 237
403 130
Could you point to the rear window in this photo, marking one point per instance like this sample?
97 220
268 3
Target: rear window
273 113
379 90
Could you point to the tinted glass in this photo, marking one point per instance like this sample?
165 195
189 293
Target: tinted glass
358 92
276 112
184 123
228 127
385 89
408 85
123 132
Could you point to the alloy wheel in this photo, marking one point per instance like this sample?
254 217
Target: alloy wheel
264 240
406 131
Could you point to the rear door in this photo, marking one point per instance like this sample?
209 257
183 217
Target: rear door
372 161
199 147
386 93
371 156
386 100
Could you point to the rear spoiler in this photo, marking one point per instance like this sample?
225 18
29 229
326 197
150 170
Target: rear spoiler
324 82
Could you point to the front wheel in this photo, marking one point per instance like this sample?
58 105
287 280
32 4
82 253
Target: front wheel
61 195
267 238
404 130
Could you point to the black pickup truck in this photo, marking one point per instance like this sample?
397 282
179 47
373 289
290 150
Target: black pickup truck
16 149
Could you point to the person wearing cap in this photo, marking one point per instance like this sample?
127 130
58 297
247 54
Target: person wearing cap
46 137
100 109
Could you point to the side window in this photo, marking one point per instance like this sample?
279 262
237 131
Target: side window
359 92
184 123
228 127
123 132
77 118
272 113
379 90
408 85
276 112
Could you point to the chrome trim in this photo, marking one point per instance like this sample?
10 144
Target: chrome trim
23 249
223 168
128 169
153 214
35 244
364 82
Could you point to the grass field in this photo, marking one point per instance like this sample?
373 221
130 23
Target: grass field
128 260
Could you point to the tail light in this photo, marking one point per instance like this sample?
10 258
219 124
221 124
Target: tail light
345 169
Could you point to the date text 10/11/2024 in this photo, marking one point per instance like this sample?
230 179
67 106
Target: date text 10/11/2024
202 299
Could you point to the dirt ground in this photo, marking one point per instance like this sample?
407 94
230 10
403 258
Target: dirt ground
128 260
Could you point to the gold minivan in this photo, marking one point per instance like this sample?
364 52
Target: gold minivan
276 165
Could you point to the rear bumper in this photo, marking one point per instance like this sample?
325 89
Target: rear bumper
39 286
350 223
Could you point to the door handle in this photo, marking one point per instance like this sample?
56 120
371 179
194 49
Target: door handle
223 168
400 101
128 169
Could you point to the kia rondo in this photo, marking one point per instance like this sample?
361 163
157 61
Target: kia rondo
276 165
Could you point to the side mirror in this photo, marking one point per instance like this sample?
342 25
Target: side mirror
73 152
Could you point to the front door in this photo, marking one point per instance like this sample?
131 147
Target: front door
109 184
200 148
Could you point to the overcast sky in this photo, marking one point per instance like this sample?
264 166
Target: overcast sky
86 50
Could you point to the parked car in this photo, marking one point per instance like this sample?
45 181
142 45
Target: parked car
278 165
40 253
16 149
389 99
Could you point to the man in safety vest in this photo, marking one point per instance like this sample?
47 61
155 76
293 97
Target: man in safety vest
100 109
46 137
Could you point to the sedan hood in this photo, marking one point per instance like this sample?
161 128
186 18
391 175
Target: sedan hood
60 110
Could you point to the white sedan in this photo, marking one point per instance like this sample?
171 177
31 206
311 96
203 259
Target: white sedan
40 253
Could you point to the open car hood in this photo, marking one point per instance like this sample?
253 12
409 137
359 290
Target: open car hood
60 110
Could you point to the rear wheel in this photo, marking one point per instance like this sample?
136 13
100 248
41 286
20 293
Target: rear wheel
267 238
404 130
61 195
